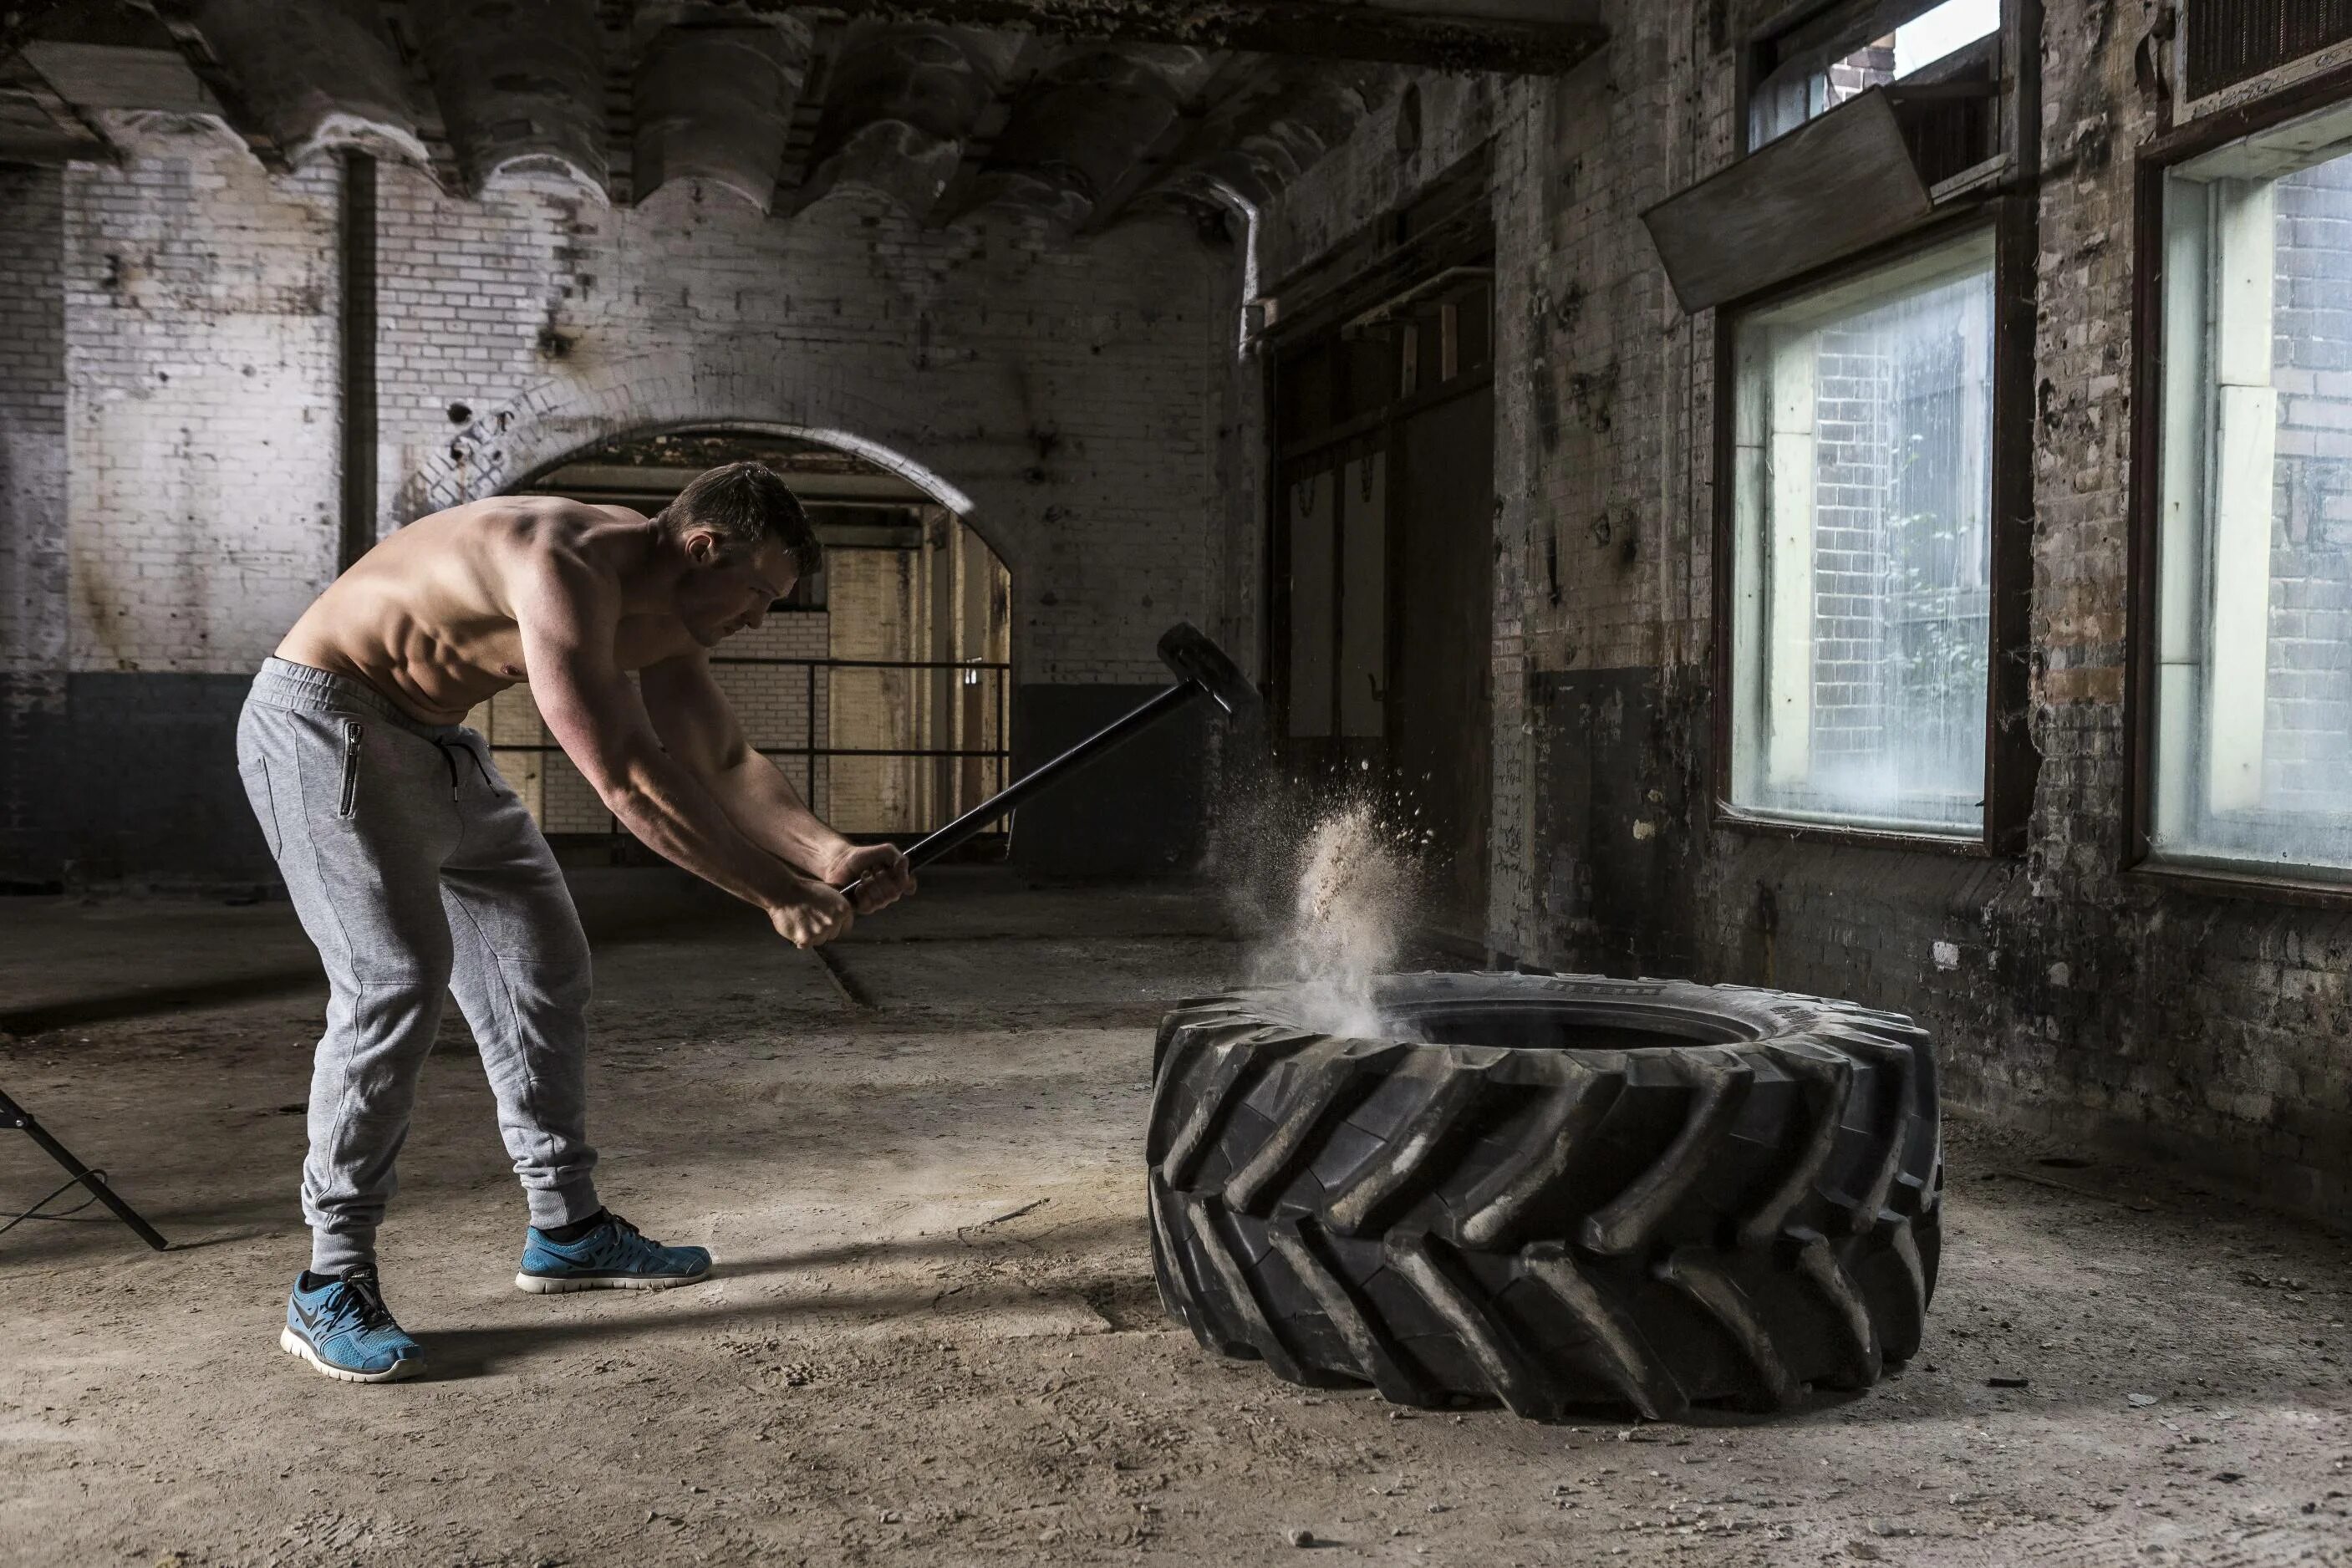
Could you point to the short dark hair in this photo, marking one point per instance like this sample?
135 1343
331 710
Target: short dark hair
744 504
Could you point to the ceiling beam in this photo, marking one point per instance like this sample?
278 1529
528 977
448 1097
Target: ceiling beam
1447 34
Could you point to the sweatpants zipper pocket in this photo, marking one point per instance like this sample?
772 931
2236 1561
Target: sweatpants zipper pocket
350 767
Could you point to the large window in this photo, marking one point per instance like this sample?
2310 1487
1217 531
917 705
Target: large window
1861 549
2252 687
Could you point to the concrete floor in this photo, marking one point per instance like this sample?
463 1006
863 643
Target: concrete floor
934 1337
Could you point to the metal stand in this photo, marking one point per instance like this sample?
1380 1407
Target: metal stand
15 1115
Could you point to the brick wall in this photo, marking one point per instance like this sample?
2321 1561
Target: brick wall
778 704
200 300
1854 384
1070 392
2308 747
32 508
2064 994
1859 72
32 423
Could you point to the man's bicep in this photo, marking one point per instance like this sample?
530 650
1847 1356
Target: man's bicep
567 622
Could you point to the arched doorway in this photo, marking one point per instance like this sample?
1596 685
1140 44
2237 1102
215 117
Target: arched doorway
881 687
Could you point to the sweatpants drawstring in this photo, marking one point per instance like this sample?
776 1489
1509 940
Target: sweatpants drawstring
445 745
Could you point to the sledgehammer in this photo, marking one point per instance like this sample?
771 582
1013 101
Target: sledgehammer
1202 669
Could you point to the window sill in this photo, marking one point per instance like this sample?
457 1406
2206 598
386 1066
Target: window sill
1732 820
1976 177
2219 882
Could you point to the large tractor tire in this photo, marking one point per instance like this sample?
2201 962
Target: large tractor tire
1581 1194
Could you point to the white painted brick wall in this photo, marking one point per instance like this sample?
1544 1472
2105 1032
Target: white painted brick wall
32 434
1072 392
200 300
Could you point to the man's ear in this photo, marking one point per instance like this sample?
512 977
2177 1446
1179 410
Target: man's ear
702 546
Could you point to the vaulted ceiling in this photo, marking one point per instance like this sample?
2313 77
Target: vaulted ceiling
1077 111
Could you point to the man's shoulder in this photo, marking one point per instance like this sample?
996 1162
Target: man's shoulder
554 552
552 515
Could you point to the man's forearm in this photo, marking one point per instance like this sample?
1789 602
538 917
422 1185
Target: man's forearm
765 808
671 814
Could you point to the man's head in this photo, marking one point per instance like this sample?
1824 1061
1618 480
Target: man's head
746 541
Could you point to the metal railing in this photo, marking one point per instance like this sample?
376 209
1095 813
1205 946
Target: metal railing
997 756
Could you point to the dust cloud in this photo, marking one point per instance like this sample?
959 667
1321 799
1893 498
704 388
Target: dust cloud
1327 892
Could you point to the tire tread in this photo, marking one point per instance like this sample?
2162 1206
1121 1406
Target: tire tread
1552 1228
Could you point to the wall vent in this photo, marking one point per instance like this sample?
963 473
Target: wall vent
2230 41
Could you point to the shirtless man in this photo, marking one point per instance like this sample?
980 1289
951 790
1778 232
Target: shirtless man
415 868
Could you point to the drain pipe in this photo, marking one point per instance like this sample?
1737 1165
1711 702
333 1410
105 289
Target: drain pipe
1257 314
358 325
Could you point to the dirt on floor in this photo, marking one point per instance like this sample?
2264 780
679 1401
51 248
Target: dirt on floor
933 1337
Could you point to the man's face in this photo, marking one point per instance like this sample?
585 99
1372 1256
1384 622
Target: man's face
719 595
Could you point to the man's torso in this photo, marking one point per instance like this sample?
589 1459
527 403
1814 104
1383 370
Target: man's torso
426 617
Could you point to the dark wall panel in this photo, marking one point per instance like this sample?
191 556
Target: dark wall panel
36 759
1621 780
1138 811
156 794
134 780
1441 635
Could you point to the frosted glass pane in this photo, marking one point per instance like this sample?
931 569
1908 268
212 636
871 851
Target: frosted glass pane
1863 522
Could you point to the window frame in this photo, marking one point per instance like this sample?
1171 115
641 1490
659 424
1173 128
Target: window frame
2015 42
2011 763
2144 517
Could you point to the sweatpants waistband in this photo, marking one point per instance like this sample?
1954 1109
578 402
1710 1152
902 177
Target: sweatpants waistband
282 683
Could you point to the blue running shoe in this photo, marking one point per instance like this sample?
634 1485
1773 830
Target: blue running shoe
613 1256
341 1327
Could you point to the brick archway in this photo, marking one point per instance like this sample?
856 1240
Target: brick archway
502 449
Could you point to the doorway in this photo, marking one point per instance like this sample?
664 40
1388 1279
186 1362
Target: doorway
1380 560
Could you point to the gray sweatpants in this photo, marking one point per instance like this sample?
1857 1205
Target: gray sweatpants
415 871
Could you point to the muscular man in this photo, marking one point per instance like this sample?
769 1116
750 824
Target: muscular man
415 868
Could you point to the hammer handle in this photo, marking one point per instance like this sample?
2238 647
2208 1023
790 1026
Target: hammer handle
930 846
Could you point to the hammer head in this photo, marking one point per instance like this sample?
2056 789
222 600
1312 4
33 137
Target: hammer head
1185 649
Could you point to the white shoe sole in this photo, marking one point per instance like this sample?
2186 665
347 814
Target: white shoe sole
543 1285
294 1344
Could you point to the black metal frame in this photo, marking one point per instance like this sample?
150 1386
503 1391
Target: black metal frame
12 1114
2143 541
